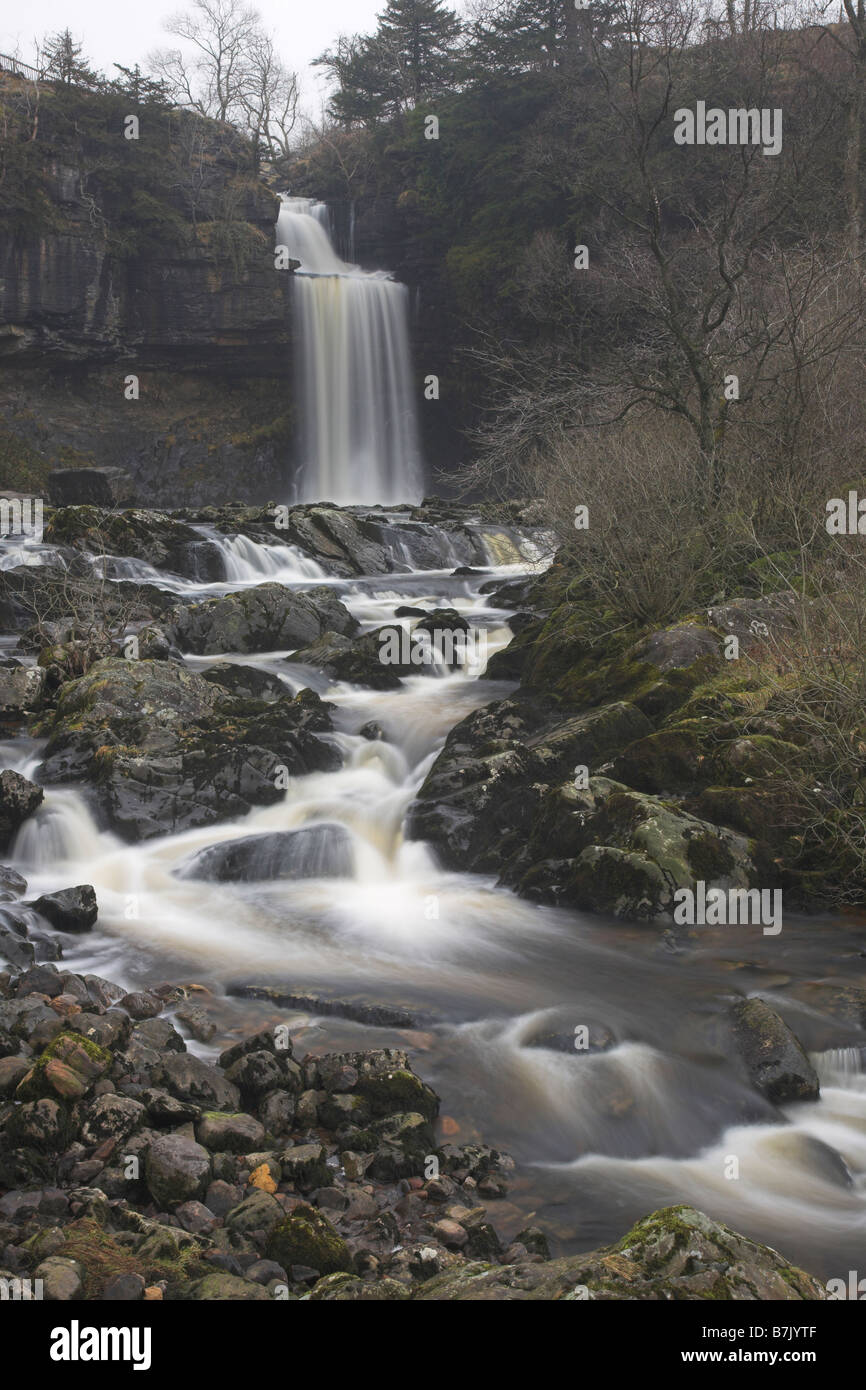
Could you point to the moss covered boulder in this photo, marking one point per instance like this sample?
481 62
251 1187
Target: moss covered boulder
66 1070
306 1237
675 1254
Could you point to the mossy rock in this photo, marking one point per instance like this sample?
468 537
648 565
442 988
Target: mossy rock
396 1092
67 1068
306 1237
668 761
672 1255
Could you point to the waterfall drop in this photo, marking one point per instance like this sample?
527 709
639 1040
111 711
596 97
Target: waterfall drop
359 438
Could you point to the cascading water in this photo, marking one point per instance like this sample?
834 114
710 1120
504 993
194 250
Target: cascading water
359 438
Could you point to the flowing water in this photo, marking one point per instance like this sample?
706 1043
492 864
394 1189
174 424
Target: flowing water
600 1138
358 434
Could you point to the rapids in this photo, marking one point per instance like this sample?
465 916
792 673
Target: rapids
600 1138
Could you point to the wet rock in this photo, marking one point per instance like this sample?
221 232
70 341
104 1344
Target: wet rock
70 909
375 1015
167 752
268 617
177 1170
141 1006
774 1059
315 851
19 798
479 802
246 682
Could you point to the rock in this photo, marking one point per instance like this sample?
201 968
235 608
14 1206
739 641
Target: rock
168 751
774 1059
246 682
21 690
257 1212
315 851
111 1117
19 798
39 1124
177 1170
227 1287
375 1015
70 909
199 1083
67 1069
62 1279
304 1167
221 1133
141 1006
268 617
307 1237
479 802
124 1288
611 849
674 1254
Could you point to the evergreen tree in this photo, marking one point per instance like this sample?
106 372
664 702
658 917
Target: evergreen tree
62 61
415 54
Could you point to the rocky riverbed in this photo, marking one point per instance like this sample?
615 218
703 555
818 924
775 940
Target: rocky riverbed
332 890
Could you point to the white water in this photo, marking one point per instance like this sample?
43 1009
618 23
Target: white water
359 440
602 1139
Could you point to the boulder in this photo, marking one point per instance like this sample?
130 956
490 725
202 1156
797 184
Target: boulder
70 909
21 689
169 750
176 1170
306 1237
771 1053
675 1254
19 798
315 851
268 617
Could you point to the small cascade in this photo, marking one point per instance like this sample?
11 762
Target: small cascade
249 562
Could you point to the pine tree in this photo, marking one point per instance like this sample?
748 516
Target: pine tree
62 61
415 53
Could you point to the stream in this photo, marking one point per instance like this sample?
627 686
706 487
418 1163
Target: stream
600 1138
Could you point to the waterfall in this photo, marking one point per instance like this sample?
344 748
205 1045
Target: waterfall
359 439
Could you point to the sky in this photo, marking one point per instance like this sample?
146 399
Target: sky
114 31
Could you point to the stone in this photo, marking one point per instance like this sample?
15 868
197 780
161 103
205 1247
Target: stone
229 1133
774 1058
70 910
177 1170
19 798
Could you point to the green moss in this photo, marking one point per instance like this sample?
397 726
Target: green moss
709 858
306 1237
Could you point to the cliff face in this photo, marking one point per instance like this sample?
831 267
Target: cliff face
66 296
156 260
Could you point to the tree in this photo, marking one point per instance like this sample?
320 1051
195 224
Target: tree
414 55
62 61
231 73
212 79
